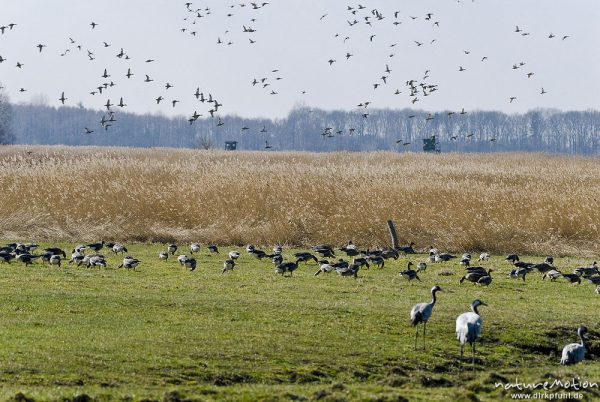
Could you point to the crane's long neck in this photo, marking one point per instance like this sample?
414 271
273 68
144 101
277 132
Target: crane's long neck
434 298
474 308
580 333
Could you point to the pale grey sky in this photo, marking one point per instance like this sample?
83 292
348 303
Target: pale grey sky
290 36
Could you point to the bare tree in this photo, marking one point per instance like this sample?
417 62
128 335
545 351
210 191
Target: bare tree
204 141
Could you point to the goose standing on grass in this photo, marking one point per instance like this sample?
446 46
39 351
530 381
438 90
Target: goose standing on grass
350 249
129 263
80 248
468 328
574 352
324 267
305 257
518 273
57 251
54 259
552 274
475 274
421 312
194 248
377 260
409 273
572 278
182 259
349 270
234 255
587 271
26 259
284 267
6 257
213 248
95 261
228 266
76 257
95 246
444 257
390 253
171 248
277 259
422 266
163 255
190 263
407 249
484 257
324 251
256 252
119 248
361 261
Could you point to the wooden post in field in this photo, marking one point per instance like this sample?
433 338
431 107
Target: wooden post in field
393 234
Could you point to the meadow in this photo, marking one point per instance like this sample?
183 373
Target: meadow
536 204
163 333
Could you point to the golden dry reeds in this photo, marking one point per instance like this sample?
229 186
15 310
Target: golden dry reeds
521 203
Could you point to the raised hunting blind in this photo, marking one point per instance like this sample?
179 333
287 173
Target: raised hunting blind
431 145
230 145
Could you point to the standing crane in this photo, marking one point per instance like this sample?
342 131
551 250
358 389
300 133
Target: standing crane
574 352
468 328
421 312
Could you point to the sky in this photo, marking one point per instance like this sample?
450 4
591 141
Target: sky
294 40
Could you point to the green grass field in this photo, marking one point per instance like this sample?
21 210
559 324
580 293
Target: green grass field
164 333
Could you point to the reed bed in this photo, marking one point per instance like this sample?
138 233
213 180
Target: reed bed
525 203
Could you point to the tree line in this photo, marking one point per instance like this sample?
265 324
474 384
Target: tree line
305 129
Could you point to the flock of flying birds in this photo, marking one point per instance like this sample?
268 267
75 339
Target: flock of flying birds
417 88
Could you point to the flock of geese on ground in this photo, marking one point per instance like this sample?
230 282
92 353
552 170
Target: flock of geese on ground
468 325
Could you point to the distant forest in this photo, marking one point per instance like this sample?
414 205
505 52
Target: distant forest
314 130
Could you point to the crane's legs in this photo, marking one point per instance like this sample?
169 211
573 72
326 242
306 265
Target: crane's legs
424 333
416 336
